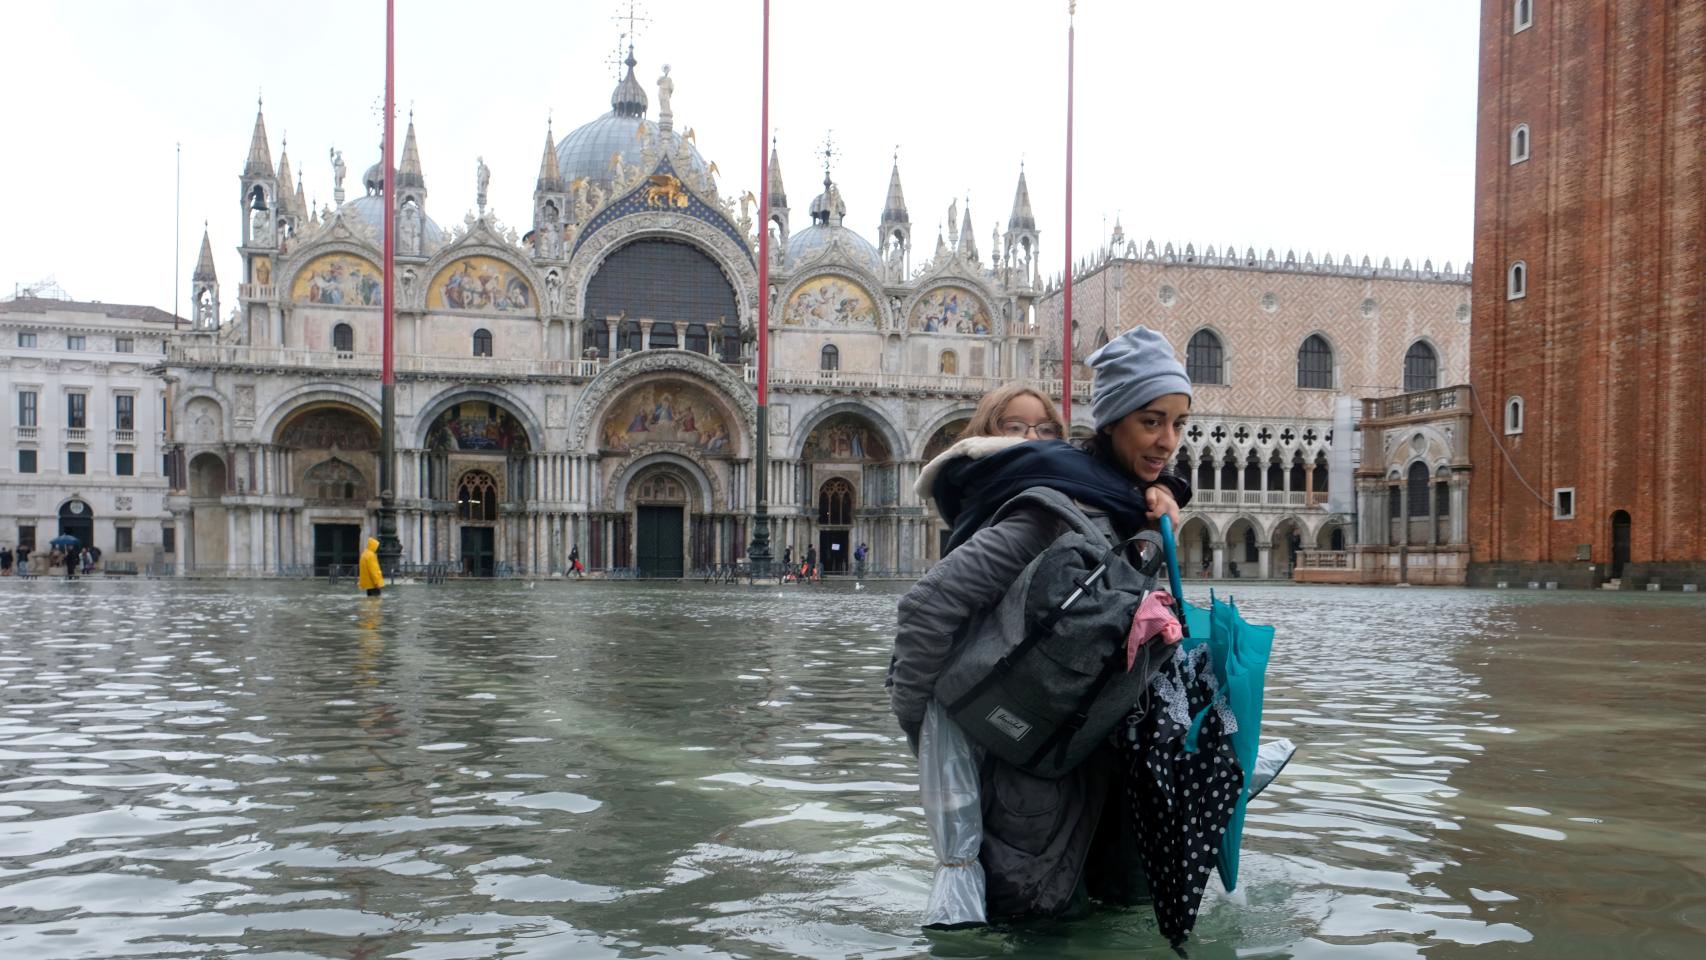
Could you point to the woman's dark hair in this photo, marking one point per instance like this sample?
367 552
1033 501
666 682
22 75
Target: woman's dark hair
1099 445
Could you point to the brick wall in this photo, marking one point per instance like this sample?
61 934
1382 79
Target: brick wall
1608 348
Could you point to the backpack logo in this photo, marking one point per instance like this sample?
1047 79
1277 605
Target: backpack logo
1008 723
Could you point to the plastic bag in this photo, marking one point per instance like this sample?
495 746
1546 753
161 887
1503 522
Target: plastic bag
1270 760
953 808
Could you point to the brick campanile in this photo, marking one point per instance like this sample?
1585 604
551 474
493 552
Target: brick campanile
1588 347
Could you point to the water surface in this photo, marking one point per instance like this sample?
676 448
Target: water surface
287 770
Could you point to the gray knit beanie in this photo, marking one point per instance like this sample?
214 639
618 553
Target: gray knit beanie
1131 370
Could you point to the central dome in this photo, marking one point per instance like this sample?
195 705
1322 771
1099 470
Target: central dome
370 210
587 150
819 237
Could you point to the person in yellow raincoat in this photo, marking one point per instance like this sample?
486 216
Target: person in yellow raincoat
371 579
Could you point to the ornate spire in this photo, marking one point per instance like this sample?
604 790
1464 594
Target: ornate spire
629 98
409 171
260 157
286 200
894 209
968 240
204 264
550 175
778 196
302 207
1022 218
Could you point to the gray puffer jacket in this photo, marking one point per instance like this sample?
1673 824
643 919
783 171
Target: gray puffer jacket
1039 835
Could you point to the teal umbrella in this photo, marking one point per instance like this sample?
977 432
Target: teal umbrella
1239 652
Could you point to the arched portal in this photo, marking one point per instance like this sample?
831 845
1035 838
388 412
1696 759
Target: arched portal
848 479
330 453
1243 552
1196 548
206 538
669 476
76 519
945 436
475 473
1287 541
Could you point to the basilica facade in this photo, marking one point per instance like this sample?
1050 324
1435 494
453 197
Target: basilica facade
586 383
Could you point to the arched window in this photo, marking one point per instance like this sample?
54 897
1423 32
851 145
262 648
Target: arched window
1518 281
1442 499
1205 360
482 343
1519 143
1229 474
343 338
1296 478
477 497
1522 15
1276 475
1252 473
1315 364
1513 416
1320 471
1418 484
829 358
1421 367
835 503
1205 474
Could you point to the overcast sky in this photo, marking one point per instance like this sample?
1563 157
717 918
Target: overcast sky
1329 125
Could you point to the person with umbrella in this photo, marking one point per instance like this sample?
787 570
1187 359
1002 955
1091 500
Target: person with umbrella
66 551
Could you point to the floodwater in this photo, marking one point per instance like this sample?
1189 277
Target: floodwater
287 770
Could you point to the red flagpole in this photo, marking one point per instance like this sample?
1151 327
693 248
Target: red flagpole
764 231
388 376
1066 294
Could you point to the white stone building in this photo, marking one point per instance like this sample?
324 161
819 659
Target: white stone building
84 428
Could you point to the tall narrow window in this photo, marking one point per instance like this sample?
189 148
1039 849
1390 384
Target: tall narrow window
482 343
343 338
1519 143
1315 364
1421 368
1518 287
1522 15
124 412
1564 503
829 358
1205 358
76 410
26 408
1418 484
1513 416
698 341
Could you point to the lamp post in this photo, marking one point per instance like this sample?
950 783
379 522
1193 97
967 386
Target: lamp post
758 554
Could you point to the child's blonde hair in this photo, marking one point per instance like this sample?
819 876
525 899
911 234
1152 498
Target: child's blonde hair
986 420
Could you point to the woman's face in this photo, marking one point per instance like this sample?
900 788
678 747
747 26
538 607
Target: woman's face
1024 416
1146 438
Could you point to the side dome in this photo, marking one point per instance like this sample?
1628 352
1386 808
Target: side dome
818 237
370 210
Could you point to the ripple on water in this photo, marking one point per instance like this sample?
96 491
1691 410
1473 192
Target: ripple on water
287 771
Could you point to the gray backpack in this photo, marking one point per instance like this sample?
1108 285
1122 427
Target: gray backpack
1039 679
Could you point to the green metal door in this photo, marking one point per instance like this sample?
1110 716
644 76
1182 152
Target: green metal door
658 543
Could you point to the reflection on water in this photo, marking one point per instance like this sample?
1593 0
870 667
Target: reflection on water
622 770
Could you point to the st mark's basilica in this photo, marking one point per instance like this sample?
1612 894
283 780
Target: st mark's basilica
588 383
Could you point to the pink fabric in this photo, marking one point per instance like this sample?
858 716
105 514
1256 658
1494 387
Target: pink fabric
1155 618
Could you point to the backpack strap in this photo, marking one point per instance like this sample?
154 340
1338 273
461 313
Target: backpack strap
1054 502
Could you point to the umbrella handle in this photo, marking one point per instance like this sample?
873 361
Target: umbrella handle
1170 549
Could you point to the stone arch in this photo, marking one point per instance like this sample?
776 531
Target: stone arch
616 378
201 420
469 250
933 426
1226 351
862 279
979 295
486 393
208 478
1279 536
891 436
298 268
635 466
292 402
1238 547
